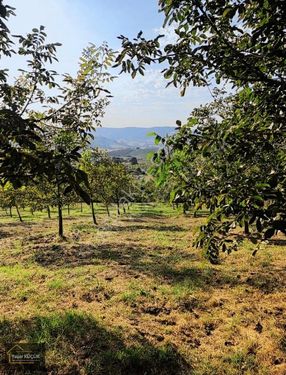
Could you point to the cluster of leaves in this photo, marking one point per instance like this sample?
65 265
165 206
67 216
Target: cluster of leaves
230 156
241 41
237 175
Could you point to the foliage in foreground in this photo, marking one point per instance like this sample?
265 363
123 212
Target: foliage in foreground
40 119
230 158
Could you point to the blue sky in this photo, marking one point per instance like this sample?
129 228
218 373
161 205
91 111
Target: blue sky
141 102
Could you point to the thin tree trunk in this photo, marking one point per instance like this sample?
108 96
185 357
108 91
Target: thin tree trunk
68 209
10 211
118 208
60 217
246 227
60 213
107 209
93 213
81 209
18 212
49 212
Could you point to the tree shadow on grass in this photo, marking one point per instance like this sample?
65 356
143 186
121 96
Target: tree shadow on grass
4 234
132 228
61 255
7 230
22 224
277 242
159 262
147 214
75 341
131 219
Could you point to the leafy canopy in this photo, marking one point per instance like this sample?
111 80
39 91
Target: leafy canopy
230 156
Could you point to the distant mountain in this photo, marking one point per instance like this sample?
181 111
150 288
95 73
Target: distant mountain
139 152
128 138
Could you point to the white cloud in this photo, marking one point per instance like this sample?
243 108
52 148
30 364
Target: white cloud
170 37
145 101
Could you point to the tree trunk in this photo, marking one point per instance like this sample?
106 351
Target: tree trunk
246 227
118 208
60 217
93 213
68 209
10 211
81 210
18 212
107 209
49 212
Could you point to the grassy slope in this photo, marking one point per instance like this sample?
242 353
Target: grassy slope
132 296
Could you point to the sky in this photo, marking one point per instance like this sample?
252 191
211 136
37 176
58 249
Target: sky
141 102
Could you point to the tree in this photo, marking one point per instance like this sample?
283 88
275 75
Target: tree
235 164
89 164
120 184
26 134
242 42
240 180
109 182
19 135
39 196
10 197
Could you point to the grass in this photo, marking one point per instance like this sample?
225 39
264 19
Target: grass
132 296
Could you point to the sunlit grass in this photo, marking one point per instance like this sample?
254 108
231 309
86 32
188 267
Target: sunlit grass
132 293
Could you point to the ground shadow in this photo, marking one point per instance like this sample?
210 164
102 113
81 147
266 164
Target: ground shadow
4 234
277 242
76 341
159 262
132 228
131 219
131 255
23 224
154 215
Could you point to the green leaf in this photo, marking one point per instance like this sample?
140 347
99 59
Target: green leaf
157 139
151 134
